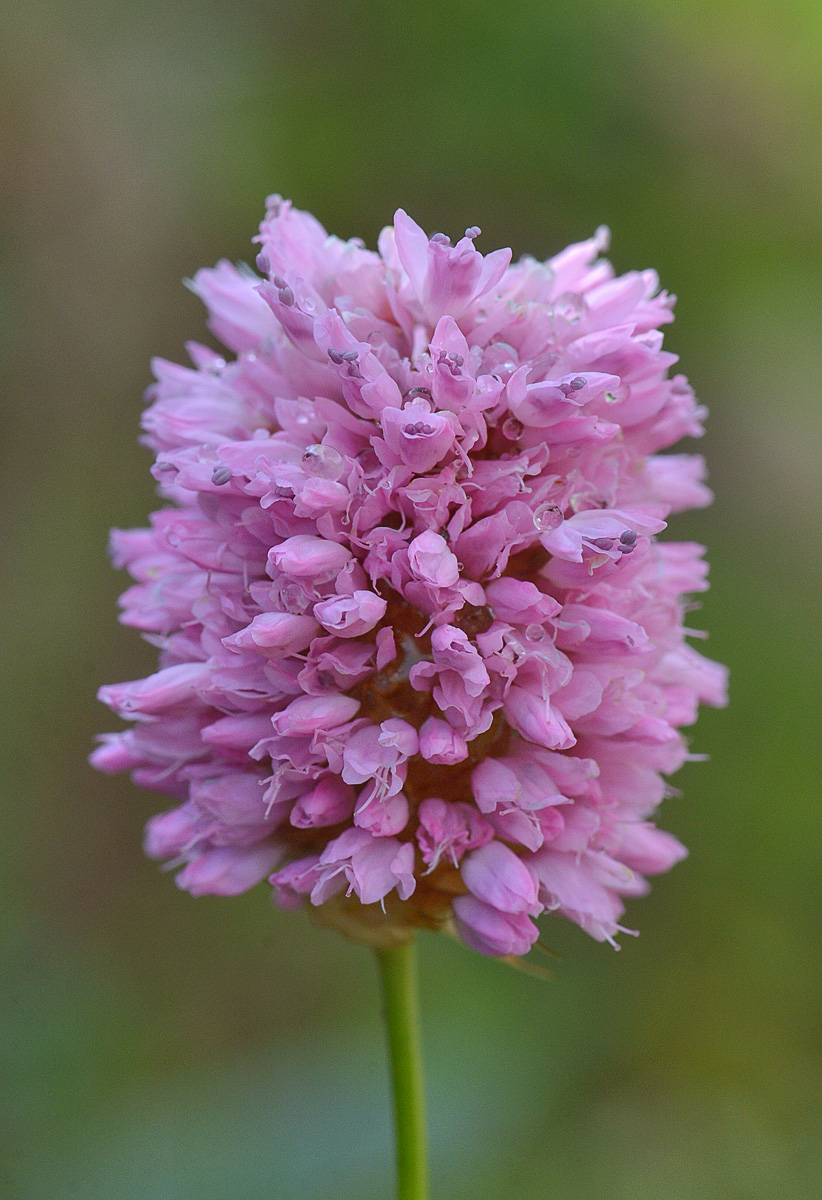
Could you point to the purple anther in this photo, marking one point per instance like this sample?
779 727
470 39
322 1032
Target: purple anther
603 543
350 355
441 239
577 384
456 359
278 281
263 265
220 475
284 492
680 389
628 538
286 296
335 355
473 231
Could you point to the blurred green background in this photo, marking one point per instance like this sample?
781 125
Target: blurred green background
160 1048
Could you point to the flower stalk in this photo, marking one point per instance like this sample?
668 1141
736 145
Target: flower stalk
401 1010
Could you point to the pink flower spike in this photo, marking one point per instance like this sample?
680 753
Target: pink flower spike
416 611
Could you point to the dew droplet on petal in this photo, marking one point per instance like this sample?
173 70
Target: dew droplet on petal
570 306
535 633
512 429
547 517
293 599
323 462
420 394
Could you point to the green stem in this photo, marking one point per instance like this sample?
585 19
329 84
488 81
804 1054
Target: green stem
402 1019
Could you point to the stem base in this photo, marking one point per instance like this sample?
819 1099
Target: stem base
397 970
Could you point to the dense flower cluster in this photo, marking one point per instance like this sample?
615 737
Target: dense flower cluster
422 660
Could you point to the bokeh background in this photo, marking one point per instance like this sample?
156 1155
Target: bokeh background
160 1048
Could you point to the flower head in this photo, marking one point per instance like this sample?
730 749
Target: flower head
422 657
